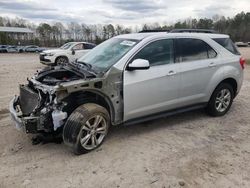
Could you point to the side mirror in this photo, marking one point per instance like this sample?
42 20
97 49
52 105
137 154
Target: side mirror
73 52
138 64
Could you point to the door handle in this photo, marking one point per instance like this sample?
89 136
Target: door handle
171 73
212 65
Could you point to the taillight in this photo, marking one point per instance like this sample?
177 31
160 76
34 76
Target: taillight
242 62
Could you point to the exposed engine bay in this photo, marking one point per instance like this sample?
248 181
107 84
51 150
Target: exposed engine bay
45 103
39 106
54 77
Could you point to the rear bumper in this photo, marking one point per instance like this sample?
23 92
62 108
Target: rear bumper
239 83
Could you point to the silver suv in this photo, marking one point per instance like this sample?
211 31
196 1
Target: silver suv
130 79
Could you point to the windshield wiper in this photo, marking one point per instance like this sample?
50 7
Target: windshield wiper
88 66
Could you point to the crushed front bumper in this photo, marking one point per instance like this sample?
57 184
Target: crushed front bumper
26 124
14 114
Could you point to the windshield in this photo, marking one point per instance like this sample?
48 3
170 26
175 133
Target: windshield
67 45
102 57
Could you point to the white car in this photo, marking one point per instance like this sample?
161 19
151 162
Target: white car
241 44
69 52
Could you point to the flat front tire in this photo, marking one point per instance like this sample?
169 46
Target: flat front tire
221 100
86 128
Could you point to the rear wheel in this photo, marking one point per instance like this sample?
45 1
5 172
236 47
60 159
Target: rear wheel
61 60
221 100
86 128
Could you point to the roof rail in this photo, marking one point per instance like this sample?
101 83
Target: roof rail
154 30
193 31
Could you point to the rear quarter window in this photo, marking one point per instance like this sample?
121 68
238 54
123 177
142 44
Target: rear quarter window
89 46
228 44
189 49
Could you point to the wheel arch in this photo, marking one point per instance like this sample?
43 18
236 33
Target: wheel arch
64 56
78 98
231 81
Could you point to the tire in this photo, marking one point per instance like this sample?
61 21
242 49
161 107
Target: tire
61 60
221 100
80 131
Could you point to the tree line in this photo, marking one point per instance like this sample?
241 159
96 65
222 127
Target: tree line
57 33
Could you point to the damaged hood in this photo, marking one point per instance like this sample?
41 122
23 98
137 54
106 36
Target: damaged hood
52 76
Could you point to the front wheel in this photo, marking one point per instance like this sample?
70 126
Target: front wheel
86 128
61 61
221 100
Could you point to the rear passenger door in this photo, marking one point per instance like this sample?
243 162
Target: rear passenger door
198 63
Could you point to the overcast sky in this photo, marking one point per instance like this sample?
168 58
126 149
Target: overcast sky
127 12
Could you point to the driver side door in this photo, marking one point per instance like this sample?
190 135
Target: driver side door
78 51
156 89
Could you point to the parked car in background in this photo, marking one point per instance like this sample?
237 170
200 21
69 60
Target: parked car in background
8 49
21 49
69 52
3 48
241 44
12 49
33 48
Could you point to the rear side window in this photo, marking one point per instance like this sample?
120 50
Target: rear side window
228 44
193 49
89 46
158 52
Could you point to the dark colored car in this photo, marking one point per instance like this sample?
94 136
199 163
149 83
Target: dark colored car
3 48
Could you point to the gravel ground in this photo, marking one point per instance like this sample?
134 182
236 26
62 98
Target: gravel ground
245 51
186 150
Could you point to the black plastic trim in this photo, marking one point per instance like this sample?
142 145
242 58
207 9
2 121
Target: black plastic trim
165 114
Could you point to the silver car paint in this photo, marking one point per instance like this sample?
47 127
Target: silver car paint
150 91
194 82
133 94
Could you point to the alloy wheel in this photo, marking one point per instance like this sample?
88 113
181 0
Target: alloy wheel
93 132
223 100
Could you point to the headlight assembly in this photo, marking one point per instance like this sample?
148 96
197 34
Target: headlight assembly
50 54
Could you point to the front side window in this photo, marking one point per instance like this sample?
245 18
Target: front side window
78 47
192 50
67 45
157 53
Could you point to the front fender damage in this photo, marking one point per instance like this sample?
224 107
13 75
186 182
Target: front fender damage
48 91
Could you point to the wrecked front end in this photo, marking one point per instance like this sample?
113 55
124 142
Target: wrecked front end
33 113
44 104
38 108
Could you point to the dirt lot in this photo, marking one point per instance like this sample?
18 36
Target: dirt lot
245 52
188 150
